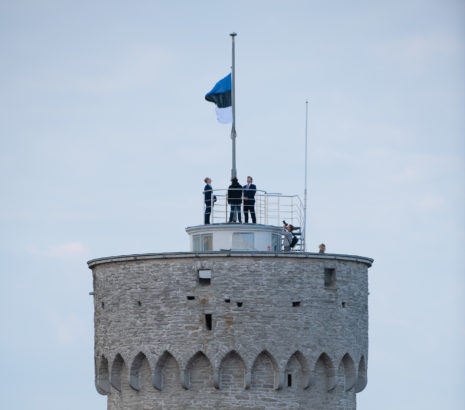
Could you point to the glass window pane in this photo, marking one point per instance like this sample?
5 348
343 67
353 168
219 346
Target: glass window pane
243 241
276 242
207 242
196 243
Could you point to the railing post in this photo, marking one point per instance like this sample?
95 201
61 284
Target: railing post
257 209
279 208
292 210
211 207
226 209
266 209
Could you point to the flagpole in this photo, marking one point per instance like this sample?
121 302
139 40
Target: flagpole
305 190
233 101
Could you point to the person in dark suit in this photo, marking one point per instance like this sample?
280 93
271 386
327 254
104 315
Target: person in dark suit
208 197
235 199
249 200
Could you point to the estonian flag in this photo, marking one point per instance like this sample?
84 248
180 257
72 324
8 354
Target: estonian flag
221 96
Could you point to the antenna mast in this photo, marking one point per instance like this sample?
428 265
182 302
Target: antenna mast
305 190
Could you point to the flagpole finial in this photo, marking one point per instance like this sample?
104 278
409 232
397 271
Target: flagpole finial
233 34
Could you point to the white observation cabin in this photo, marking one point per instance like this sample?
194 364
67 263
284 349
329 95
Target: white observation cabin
234 237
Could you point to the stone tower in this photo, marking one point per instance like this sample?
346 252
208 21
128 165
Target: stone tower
233 324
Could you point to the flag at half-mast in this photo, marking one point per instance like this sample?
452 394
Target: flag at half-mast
221 96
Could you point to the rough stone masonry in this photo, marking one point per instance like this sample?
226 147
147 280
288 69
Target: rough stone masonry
231 330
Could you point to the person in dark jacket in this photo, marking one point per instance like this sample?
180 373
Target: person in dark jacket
208 196
249 200
234 200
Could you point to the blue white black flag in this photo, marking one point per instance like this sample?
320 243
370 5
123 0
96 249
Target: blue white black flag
221 96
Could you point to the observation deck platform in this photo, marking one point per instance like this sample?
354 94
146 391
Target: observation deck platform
271 210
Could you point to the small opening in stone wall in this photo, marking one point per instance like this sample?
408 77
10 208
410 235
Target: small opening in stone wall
330 277
190 297
296 304
239 304
227 301
289 380
205 276
103 305
204 282
343 304
208 321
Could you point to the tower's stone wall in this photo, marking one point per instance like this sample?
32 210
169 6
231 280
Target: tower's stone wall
288 331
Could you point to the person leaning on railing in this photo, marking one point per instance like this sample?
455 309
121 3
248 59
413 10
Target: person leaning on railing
235 199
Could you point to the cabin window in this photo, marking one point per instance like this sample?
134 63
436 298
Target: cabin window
203 242
275 242
243 241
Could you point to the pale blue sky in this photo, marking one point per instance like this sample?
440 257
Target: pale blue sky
106 139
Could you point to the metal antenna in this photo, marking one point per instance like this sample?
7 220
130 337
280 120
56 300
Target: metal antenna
305 190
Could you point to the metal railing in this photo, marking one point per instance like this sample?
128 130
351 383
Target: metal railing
270 209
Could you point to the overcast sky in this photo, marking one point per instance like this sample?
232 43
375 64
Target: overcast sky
106 138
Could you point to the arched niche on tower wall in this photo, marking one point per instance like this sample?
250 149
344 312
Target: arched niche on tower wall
361 376
265 372
199 372
297 373
166 376
116 372
349 372
103 376
140 373
232 372
324 374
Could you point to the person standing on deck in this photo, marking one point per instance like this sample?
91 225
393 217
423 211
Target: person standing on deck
208 196
234 200
249 200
